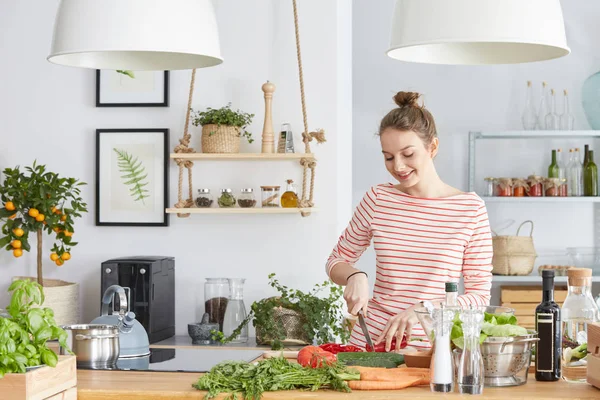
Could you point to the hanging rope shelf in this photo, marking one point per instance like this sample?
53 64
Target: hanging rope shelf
307 160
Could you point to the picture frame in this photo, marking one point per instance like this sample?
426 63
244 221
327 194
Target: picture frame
132 179
132 88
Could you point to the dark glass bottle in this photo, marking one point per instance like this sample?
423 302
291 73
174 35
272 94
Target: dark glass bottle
547 324
586 154
590 177
553 169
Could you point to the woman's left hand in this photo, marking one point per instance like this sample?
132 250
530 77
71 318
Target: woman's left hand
398 325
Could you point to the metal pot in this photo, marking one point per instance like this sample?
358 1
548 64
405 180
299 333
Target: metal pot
96 345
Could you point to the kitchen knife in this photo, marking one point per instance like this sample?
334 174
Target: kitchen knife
363 326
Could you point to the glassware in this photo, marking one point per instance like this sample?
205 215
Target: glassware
553 169
442 365
235 313
504 187
578 310
226 199
470 370
289 199
204 199
519 187
246 199
567 120
451 294
590 176
547 324
536 186
270 196
529 117
579 172
490 187
216 297
543 109
286 139
552 119
563 189
574 174
552 187
591 101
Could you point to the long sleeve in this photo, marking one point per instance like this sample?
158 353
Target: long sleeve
477 263
357 236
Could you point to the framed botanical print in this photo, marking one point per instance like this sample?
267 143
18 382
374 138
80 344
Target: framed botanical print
123 88
132 178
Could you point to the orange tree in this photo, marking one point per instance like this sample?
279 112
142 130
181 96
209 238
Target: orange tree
36 201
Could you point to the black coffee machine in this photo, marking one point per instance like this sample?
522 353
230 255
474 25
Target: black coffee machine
150 285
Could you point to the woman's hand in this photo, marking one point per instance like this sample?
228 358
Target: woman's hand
398 325
356 294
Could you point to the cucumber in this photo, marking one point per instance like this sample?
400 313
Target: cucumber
372 359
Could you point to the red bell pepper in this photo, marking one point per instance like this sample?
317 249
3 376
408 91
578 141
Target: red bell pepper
380 348
340 348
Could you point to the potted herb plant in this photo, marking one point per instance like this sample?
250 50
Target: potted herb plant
35 201
296 317
222 129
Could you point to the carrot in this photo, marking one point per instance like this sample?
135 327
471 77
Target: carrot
392 375
379 385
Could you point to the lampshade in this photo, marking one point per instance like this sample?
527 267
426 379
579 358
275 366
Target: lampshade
136 35
477 31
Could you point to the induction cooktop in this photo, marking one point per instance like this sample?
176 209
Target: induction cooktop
180 360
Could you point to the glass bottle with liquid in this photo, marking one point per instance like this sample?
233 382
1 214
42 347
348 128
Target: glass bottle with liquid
236 313
451 294
590 176
289 199
547 324
579 309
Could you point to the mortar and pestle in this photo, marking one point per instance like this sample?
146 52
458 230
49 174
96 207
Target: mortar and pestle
200 332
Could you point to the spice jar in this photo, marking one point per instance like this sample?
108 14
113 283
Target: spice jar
519 187
270 196
226 199
504 187
246 199
490 187
552 187
204 199
563 189
536 186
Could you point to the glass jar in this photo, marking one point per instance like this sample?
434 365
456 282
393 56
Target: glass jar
490 187
204 199
235 314
552 187
504 187
216 297
519 187
246 199
226 199
270 196
535 184
563 190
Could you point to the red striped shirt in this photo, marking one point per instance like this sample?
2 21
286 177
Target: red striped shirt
420 244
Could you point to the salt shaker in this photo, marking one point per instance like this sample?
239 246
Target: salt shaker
442 367
470 368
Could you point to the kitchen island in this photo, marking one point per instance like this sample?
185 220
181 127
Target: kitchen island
119 385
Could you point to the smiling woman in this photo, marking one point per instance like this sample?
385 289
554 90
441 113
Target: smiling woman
425 233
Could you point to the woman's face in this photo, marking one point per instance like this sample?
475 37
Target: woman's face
406 156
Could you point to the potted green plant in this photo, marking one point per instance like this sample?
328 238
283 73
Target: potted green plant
35 201
222 129
296 317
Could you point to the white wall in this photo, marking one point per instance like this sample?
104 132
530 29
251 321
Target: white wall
48 113
470 98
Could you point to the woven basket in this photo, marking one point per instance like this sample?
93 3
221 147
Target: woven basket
514 255
293 327
62 297
220 139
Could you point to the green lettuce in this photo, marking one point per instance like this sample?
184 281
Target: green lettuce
496 325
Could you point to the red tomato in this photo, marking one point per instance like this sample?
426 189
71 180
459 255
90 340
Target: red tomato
314 357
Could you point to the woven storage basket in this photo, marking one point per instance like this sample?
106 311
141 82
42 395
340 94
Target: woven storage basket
514 255
62 297
293 327
220 139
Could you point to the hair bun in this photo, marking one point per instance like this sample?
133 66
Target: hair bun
407 99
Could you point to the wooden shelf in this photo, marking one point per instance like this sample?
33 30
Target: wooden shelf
532 279
524 200
239 210
243 156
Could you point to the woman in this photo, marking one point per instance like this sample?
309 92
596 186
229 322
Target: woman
425 233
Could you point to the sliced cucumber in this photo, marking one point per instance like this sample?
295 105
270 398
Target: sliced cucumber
372 359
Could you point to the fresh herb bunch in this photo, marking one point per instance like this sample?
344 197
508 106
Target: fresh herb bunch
224 116
324 315
252 380
24 334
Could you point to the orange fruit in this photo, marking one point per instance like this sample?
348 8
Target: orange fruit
10 206
53 209
18 232
17 252
12 216
68 234
59 262
40 217
66 256
63 218
16 244
57 211
33 212
54 256
56 229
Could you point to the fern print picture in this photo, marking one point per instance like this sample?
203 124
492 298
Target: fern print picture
131 177
135 175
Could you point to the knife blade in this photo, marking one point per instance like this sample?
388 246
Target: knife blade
363 326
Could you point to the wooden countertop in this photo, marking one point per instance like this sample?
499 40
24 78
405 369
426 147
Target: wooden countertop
113 385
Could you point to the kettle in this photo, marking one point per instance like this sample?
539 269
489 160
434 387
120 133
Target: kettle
133 338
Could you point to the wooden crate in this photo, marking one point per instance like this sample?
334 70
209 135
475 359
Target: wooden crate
593 331
593 370
43 383
524 300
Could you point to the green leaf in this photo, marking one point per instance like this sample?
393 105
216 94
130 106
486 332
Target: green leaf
43 334
36 319
134 169
49 357
5 240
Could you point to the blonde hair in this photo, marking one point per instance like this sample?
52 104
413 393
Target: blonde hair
410 116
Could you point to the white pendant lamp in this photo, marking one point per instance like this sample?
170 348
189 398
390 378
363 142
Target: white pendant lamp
136 35
477 31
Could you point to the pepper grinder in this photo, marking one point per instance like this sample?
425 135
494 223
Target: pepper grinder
268 137
470 369
442 368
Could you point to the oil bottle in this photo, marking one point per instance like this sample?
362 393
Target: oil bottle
289 199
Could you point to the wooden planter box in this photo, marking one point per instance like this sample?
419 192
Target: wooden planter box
59 383
593 369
